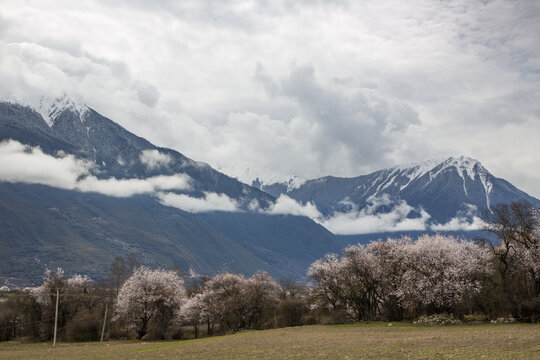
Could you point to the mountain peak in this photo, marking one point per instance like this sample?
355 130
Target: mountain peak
51 108
464 165
257 175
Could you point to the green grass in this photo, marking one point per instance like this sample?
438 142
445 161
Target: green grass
356 341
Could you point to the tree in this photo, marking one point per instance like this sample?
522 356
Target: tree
133 262
149 296
119 273
361 278
260 294
517 226
326 275
440 272
233 303
516 257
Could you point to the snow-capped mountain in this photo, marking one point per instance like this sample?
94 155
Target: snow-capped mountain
62 225
69 126
263 178
51 108
443 188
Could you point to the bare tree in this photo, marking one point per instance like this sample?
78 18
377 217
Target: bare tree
118 274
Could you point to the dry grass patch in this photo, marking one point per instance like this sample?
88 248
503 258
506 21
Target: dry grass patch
357 341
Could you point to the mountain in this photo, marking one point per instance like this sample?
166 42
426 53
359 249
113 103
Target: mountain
445 189
68 126
82 228
42 226
270 181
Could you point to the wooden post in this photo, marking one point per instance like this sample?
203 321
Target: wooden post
104 322
56 316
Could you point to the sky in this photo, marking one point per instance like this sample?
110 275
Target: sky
309 88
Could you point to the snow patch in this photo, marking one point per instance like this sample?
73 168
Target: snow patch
50 108
251 174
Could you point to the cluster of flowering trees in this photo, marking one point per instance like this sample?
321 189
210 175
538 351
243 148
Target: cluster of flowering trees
402 278
398 277
155 299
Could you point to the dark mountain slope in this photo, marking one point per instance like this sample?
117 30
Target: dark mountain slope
46 227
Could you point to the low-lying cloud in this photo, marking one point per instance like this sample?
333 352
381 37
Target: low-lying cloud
370 219
402 217
30 165
154 159
460 223
464 220
129 187
210 202
286 205
21 163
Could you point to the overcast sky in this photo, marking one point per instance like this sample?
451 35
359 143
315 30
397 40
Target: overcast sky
304 87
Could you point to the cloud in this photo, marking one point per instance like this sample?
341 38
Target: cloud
366 220
130 187
30 165
148 94
21 163
460 223
400 217
210 202
286 205
153 159
345 125
359 86
465 220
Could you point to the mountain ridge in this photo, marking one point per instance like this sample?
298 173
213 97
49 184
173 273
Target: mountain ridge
446 189
47 225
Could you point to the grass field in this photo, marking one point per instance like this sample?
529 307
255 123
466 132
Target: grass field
357 341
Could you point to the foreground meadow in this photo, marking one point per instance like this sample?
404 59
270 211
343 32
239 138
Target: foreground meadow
356 341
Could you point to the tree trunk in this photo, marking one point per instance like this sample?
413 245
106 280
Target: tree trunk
142 330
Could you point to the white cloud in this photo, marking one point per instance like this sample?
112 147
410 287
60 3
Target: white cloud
30 165
366 220
465 220
359 86
460 223
286 205
21 163
154 159
129 187
210 202
359 221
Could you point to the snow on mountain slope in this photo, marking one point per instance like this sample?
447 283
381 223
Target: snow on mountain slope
438 192
463 165
259 176
51 108
64 125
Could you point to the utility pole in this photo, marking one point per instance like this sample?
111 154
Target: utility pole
56 316
104 322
